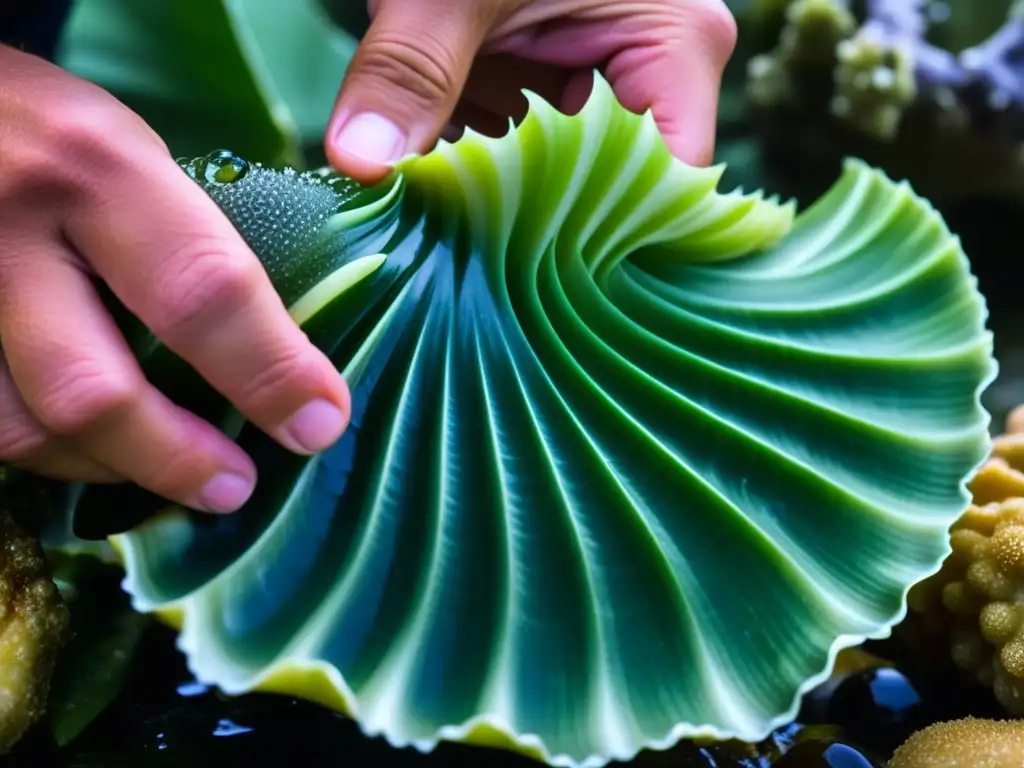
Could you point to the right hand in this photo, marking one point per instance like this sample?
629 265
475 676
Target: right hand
88 189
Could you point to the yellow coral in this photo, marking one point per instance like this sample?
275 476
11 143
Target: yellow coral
33 624
961 743
977 599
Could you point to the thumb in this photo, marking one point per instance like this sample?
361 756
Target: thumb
403 83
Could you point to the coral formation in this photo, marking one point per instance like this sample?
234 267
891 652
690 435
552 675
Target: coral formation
885 63
970 742
905 82
33 625
975 600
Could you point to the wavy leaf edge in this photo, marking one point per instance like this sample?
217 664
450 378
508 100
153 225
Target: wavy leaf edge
323 683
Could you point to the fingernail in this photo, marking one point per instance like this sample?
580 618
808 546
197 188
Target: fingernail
226 492
371 137
316 426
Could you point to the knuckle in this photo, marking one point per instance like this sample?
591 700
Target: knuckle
278 386
32 185
30 166
424 68
84 136
178 473
198 286
67 147
717 26
20 440
82 395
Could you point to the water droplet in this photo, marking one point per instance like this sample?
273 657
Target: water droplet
222 167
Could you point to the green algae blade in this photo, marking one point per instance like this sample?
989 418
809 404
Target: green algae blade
630 459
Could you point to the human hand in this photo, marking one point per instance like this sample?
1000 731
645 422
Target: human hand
426 66
88 190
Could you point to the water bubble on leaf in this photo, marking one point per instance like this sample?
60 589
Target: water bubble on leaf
222 167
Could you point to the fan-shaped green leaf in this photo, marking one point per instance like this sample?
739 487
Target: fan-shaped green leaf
630 459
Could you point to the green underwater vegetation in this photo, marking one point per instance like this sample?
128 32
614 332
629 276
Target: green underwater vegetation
630 460
709 440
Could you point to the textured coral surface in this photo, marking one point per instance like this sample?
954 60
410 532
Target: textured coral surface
899 83
33 623
967 743
977 599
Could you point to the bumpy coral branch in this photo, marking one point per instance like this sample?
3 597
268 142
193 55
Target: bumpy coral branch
807 46
886 65
980 589
973 742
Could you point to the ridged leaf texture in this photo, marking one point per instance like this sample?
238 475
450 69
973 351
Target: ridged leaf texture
630 459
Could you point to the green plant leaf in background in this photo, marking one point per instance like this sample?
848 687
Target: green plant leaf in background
630 459
259 75
298 55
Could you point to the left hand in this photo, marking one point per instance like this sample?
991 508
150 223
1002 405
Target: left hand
427 67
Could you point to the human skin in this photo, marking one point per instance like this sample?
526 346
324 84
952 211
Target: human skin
426 67
88 191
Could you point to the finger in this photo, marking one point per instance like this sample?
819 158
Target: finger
78 379
403 82
25 444
679 79
668 59
178 265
